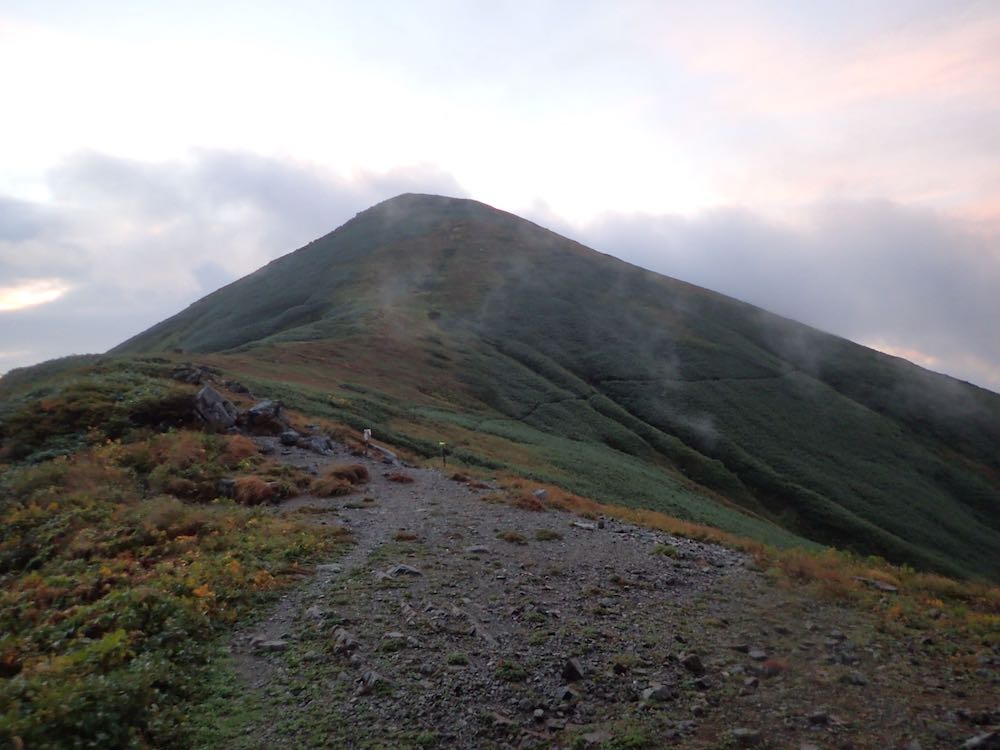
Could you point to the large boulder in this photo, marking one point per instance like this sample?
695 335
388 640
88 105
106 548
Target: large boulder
214 409
194 374
317 444
264 418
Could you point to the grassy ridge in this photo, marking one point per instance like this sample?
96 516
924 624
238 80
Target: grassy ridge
450 304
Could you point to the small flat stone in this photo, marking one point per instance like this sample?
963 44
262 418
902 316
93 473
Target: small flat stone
876 584
659 693
988 741
745 737
477 549
271 647
757 655
402 570
854 678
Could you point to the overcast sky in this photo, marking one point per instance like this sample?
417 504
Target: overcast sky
838 163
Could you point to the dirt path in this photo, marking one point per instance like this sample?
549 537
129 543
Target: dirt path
456 622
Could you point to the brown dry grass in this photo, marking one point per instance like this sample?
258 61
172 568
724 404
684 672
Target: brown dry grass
177 450
238 448
527 501
330 486
353 473
252 491
401 478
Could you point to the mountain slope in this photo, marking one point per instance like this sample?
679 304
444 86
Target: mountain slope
434 318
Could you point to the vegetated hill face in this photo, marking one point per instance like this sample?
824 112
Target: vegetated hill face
434 318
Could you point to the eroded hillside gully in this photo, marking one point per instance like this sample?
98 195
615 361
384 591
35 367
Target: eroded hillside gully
459 622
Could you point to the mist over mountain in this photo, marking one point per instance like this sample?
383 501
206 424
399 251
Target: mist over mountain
528 350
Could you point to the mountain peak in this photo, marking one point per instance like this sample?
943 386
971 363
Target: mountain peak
411 206
461 308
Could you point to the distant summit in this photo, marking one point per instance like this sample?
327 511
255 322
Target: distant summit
537 353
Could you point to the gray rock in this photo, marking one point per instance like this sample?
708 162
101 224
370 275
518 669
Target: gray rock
215 409
659 693
477 549
271 647
988 741
541 494
757 655
572 670
686 726
743 737
265 416
692 663
329 568
854 678
289 437
876 584
237 387
193 374
320 444
370 682
344 641
566 694
402 570
225 487
819 718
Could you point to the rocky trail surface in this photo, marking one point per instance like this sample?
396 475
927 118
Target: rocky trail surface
454 621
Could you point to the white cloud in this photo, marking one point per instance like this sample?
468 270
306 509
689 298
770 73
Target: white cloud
31 293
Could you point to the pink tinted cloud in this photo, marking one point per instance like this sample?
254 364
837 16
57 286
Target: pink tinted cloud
763 68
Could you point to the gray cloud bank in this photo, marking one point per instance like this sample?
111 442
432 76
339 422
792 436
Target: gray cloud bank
904 280
137 241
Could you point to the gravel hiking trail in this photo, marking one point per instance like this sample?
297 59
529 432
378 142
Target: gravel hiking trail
454 621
